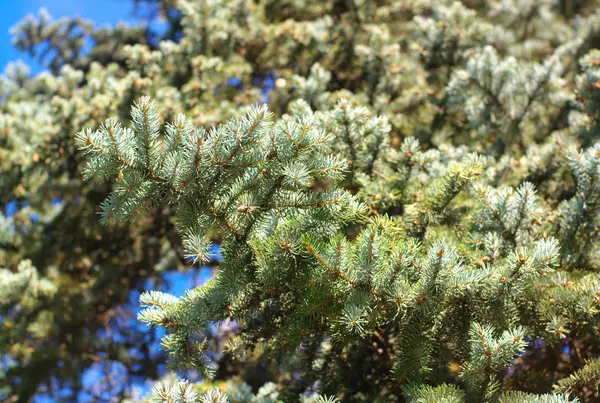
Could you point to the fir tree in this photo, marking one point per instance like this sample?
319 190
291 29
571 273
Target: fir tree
416 204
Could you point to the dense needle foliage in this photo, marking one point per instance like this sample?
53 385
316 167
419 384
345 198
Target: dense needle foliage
405 195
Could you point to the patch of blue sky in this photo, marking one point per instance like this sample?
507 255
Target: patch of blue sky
11 208
173 282
101 12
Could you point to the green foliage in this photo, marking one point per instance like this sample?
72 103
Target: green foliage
184 392
586 377
279 236
418 201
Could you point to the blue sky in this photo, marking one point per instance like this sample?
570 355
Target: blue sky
99 11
